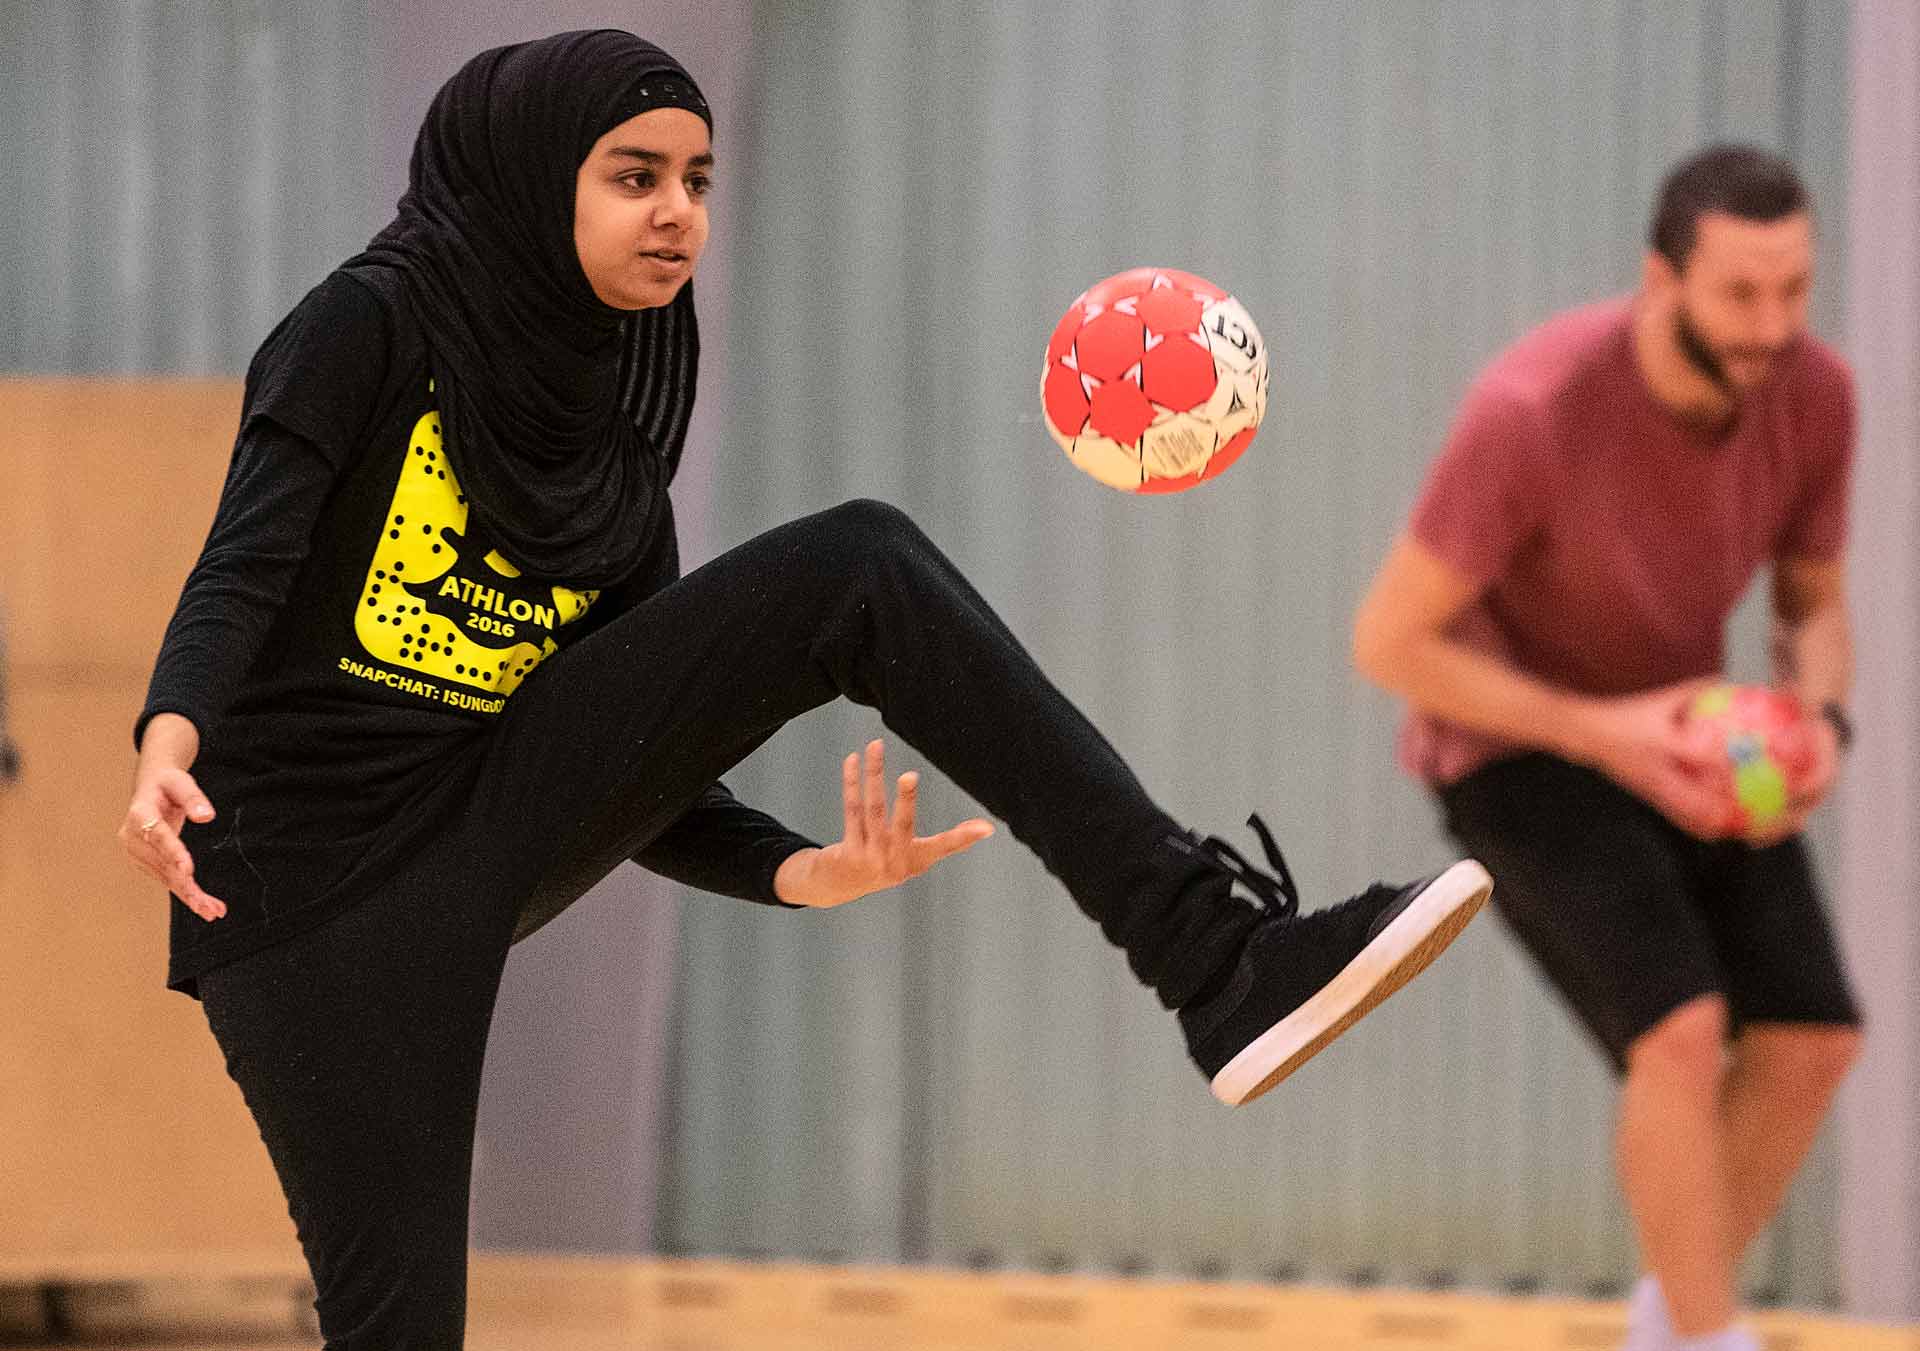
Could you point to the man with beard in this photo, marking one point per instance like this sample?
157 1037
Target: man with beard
1613 482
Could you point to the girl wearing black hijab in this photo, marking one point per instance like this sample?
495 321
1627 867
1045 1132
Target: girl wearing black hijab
438 669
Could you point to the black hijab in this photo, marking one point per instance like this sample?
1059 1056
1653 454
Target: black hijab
560 411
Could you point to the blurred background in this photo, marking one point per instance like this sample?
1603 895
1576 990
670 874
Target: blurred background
961 1073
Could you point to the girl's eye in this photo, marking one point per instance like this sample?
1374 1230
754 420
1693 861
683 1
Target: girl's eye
699 185
639 182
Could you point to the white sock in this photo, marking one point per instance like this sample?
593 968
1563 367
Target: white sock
1731 1338
1648 1304
1648 1327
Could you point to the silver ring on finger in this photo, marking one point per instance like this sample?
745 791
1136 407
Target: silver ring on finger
148 829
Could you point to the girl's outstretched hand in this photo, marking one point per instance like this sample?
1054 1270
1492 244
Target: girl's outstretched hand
164 797
878 851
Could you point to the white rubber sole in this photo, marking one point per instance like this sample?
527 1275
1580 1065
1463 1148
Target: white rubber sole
1400 952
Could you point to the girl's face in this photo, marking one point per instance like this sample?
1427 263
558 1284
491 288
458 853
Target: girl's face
640 210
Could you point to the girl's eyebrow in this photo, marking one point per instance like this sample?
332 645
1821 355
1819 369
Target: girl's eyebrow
654 157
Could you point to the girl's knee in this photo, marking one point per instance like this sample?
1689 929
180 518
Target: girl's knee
868 521
876 539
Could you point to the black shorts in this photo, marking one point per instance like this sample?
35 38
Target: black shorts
1630 917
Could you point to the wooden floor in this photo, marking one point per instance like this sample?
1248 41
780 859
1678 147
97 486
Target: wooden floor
608 1304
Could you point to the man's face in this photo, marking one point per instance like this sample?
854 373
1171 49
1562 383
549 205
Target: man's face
1741 299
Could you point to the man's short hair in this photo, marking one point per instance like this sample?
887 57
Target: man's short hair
1739 180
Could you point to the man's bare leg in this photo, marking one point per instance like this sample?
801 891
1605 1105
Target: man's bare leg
1782 1081
1670 1149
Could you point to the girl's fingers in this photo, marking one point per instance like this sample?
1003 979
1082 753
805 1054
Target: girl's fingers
854 824
179 861
180 882
933 848
883 845
153 843
145 834
900 837
184 796
875 790
203 905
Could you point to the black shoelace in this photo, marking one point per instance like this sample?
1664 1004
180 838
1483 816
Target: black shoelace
1276 896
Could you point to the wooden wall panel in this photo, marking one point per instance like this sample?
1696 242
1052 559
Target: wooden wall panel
106 491
122 1143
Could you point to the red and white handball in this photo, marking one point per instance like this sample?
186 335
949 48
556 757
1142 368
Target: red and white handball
1155 381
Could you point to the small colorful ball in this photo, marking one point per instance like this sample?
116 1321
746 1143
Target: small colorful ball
1764 733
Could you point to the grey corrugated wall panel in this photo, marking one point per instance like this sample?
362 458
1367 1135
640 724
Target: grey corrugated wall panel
180 174
962 1071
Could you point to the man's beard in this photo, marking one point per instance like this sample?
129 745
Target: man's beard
1699 353
1701 356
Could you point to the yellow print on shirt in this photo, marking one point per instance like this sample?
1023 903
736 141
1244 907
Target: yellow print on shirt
439 602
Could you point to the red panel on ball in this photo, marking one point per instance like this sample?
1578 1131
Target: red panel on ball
1227 454
1120 412
1170 310
1168 485
1063 334
1130 283
1065 401
1109 345
1187 281
1179 374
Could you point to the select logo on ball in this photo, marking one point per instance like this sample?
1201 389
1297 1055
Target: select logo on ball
1155 381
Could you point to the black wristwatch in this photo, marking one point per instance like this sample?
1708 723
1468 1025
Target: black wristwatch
1842 725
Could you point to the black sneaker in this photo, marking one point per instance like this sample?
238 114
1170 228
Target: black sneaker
1302 980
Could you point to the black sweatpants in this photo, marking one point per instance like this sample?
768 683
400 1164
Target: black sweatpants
358 1045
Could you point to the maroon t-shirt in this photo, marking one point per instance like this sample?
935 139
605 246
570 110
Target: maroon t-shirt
1609 540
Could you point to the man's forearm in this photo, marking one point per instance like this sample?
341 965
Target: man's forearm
1813 657
1449 680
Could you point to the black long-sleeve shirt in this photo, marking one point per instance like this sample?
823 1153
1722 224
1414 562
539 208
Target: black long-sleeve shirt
347 637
